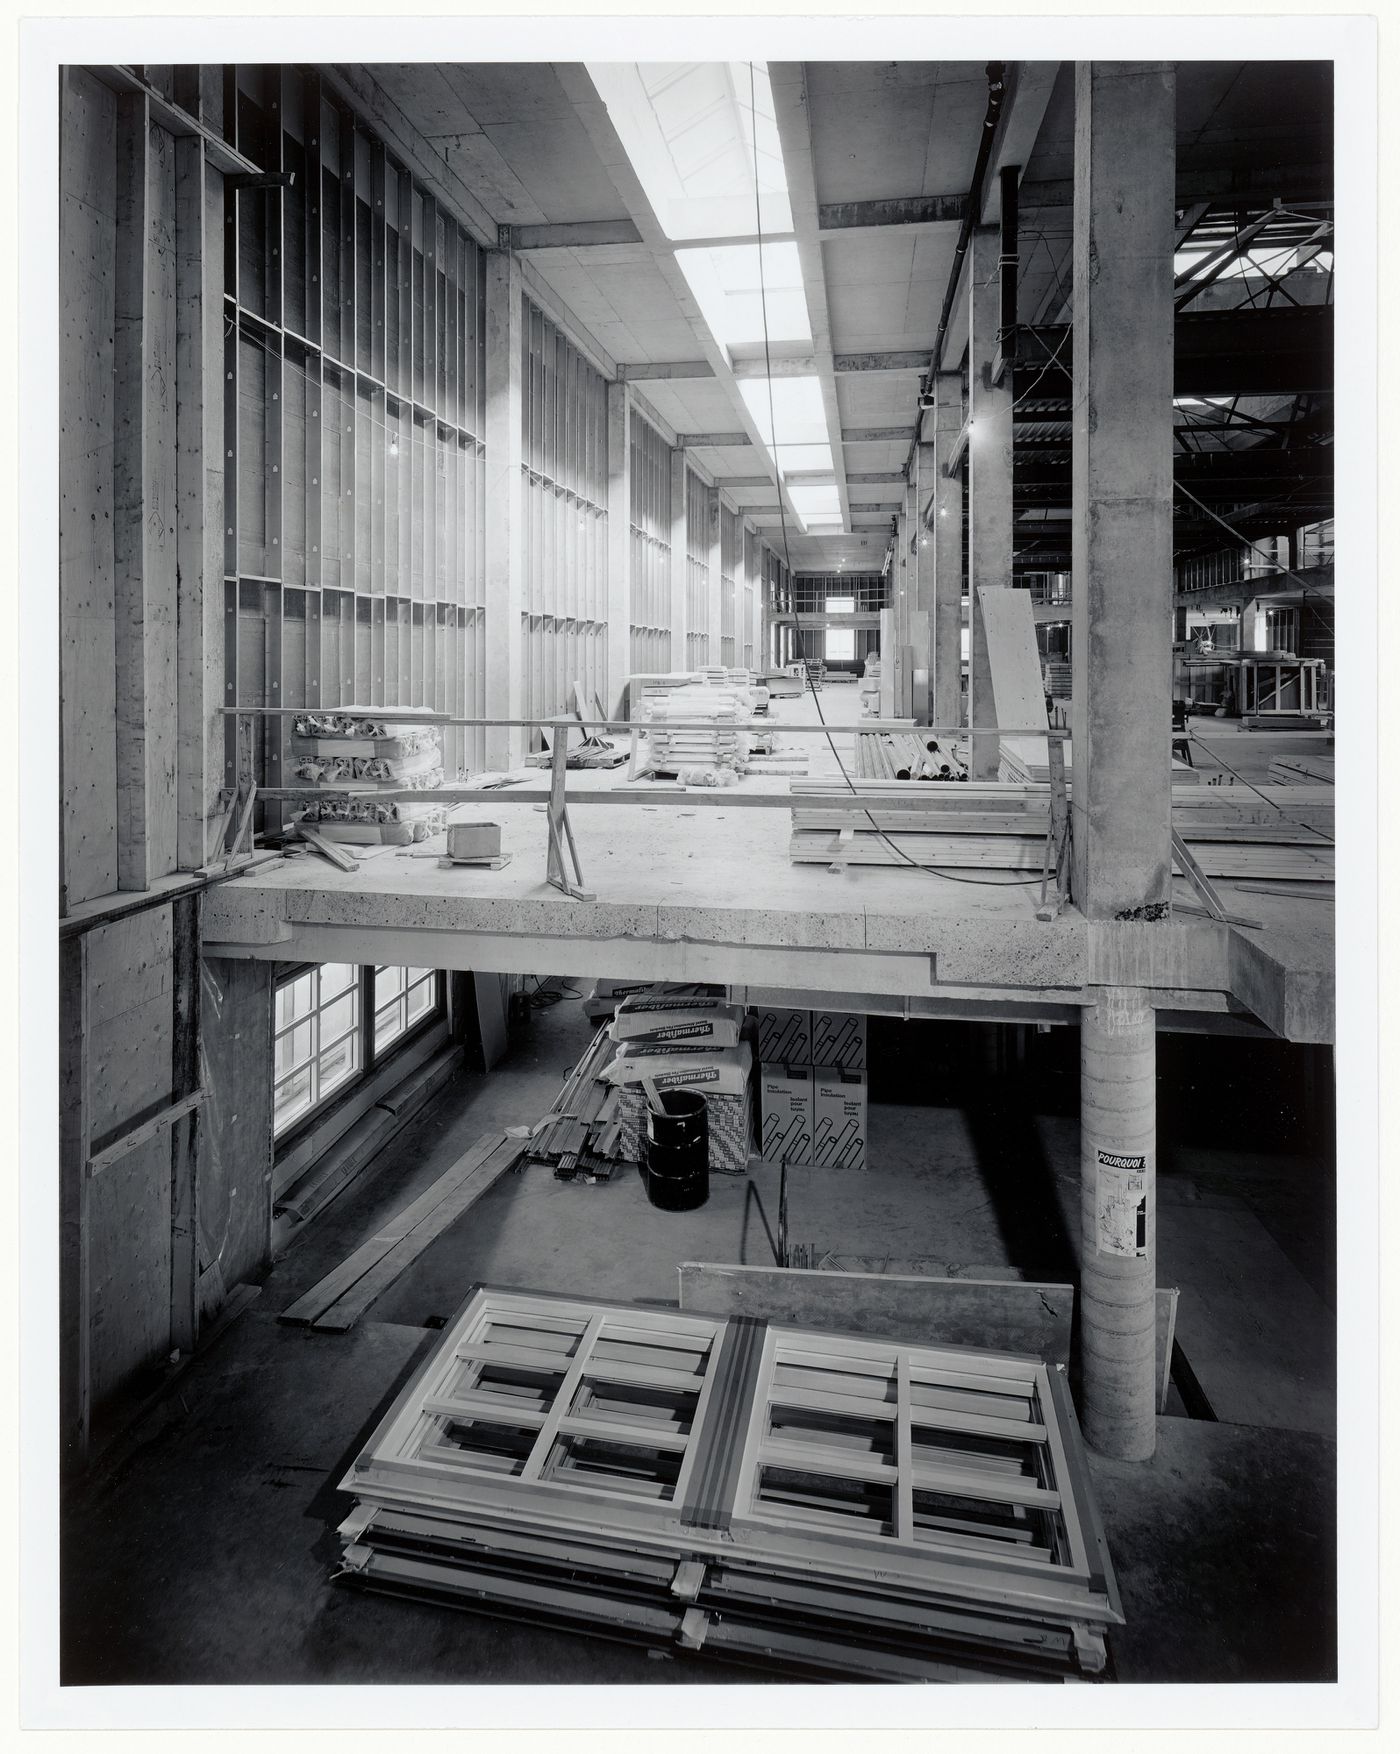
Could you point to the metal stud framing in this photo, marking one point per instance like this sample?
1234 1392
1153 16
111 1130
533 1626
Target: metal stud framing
650 490
355 406
564 411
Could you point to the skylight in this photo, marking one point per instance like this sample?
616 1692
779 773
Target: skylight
727 288
695 141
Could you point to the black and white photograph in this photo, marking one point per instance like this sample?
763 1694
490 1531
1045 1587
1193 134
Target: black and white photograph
699 895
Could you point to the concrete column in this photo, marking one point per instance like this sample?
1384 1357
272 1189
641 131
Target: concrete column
754 629
679 568
1124 200
946 546
1118 1196
716 592
989 498
504 582
619 544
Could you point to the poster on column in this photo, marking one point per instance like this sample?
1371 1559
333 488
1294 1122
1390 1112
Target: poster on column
1121 1205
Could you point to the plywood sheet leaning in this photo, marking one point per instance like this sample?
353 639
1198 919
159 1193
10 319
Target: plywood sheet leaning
1008 622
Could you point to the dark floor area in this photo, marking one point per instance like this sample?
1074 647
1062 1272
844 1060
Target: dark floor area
204 1553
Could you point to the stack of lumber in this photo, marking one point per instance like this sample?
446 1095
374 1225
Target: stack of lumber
827 1504
581 1135
1302 770
1026 761
352 755
897 754
334 1304
1236 833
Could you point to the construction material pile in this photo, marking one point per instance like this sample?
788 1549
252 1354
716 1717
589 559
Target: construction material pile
682 1043
906 755
1026 761
1278 832
714 754
700 729
823 1503
353 755
680 1038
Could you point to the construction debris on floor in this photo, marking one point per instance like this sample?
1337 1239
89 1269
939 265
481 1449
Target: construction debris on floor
835 1505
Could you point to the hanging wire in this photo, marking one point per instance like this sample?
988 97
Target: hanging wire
913 864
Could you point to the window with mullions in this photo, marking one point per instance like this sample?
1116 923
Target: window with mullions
333 1023
403 998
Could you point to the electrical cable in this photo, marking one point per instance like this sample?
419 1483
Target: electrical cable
913 864
1215 755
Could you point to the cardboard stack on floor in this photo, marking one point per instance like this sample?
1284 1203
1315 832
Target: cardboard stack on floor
827 1504
352 754
812 1092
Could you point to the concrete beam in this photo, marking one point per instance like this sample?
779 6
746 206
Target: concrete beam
861 435
693 440
1125 133
574 235
642 370
835 217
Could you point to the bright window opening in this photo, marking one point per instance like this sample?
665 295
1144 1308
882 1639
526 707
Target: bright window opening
333 1022
840 644
840 605
402 998
316 1042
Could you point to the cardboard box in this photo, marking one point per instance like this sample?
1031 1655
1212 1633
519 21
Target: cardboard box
474 840
839 1039
839 1118
784 1037
658 1018
787 1117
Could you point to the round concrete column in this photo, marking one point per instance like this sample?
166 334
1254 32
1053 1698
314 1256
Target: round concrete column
1118 1174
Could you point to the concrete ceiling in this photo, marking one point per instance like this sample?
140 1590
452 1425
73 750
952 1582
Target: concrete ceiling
534 145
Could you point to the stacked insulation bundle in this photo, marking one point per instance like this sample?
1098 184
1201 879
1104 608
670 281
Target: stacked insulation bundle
352 754
713 755
684 1042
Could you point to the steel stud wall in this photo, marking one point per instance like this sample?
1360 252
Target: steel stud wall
697 594
731 554
354 370
564 457
650 489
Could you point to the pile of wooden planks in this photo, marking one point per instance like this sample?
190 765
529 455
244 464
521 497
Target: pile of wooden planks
334 1304
898 754
828 1504
581 1136
1235 833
